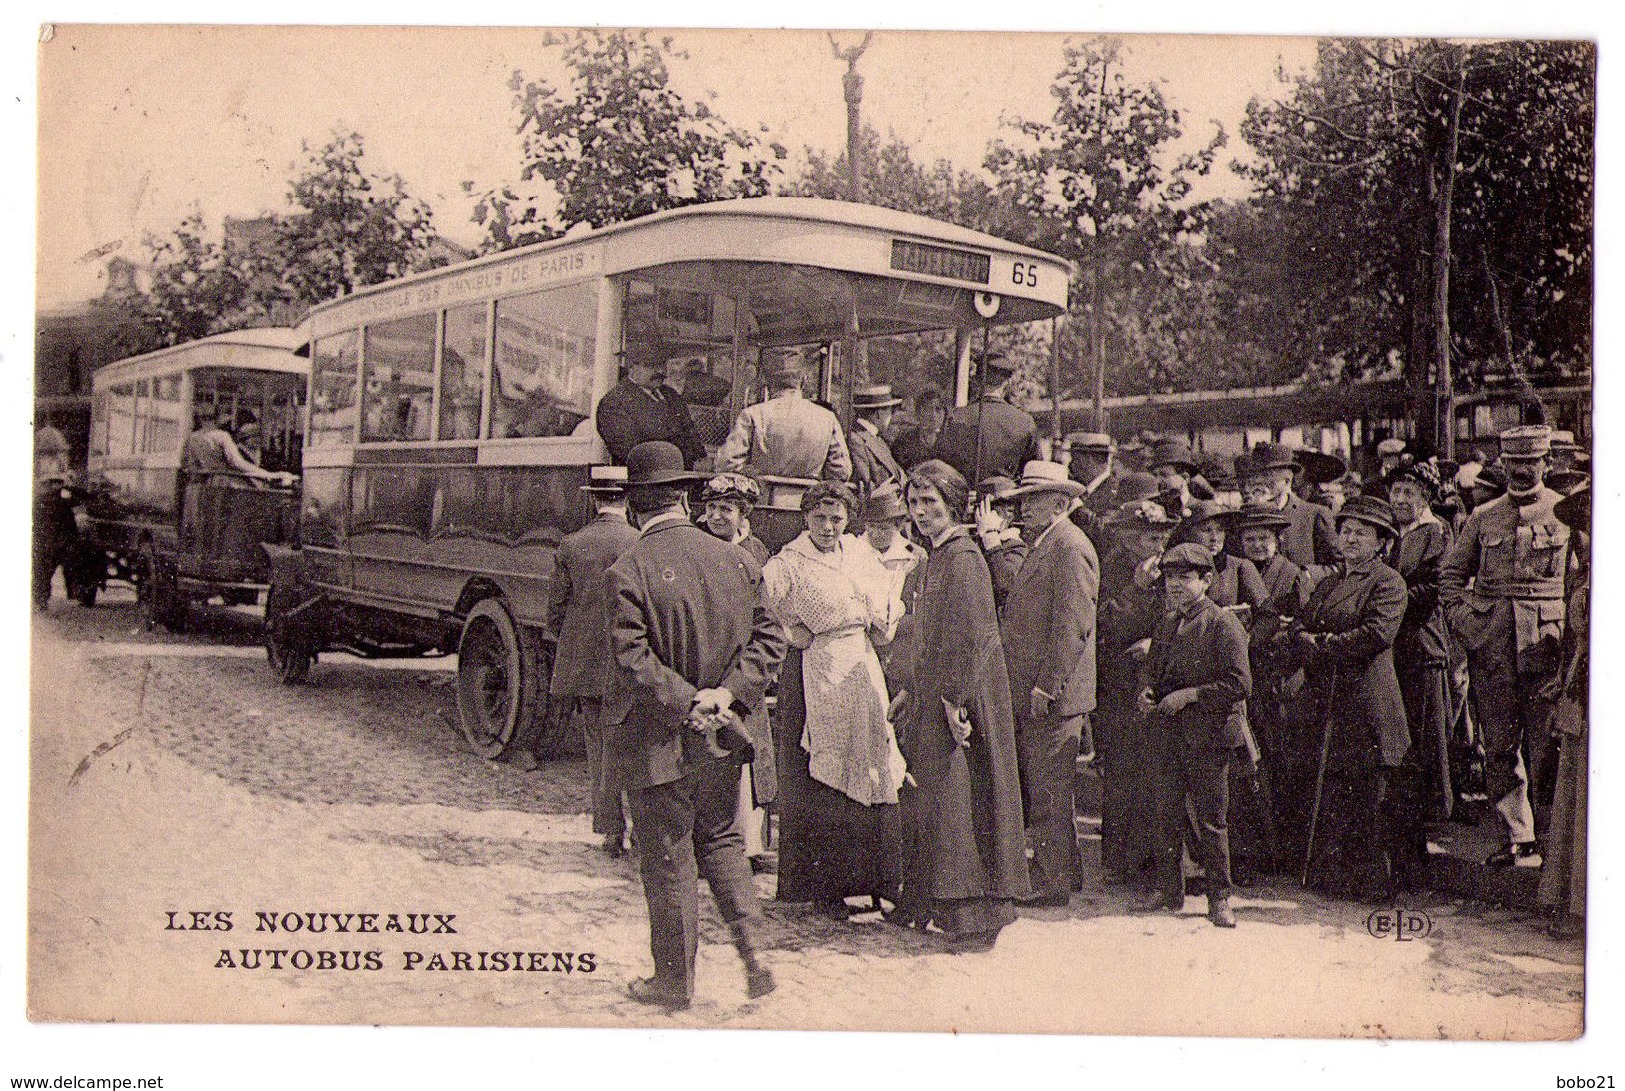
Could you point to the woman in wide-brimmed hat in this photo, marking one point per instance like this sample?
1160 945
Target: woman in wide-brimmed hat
1349 728
1235 579
1424 785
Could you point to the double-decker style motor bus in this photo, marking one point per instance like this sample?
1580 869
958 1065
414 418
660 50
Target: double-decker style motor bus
452 412
179 540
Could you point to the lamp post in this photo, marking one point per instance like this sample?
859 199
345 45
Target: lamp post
852 85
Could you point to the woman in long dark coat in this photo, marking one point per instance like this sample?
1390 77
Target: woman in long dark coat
1350 719
1423 790
964 858
1130 604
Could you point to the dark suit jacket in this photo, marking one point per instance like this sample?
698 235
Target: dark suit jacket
1047 623
1311 539
1207 651
629 415
1361 612
1009 439
688 616
872 461
580 605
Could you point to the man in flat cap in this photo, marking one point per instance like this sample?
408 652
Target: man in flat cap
1514 552
694 653
1047 624
788 435
1199 682
989 436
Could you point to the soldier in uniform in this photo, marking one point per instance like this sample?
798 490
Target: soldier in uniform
1514 552
989 436
788 435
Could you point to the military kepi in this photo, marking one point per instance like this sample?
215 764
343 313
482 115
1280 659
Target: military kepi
1526 441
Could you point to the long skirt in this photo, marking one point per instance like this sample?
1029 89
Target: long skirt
1352 852
830 846
1563 878
1128 842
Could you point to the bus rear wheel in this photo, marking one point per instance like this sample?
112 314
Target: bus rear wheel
158 592
498 682
289 654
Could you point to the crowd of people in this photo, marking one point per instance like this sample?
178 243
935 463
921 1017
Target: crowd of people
1274 667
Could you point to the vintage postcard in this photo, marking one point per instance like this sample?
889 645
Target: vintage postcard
1132 513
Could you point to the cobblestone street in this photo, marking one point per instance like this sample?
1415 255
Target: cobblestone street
174 775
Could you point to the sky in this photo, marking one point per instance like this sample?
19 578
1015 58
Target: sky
139 123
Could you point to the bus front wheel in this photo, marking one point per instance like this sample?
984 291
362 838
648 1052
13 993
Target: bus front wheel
498 682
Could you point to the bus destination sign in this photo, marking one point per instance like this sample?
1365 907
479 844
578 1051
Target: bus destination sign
940 261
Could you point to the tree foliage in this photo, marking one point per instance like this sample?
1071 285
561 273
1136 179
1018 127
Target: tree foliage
1390 146
1102 182
615 142
347 227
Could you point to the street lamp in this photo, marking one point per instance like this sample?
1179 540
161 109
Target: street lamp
852 84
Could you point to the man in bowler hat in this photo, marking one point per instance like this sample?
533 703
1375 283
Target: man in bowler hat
694 654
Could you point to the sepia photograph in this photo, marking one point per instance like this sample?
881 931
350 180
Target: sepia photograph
918 532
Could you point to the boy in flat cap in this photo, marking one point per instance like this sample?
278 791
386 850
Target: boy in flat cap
1196 698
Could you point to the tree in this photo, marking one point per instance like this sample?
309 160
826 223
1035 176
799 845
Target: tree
350 228
615 143
1442 192
1100 183
346 228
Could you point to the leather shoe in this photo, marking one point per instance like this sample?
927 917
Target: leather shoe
759 982
1169 902
1524 854
1045 901
651 990
1221 914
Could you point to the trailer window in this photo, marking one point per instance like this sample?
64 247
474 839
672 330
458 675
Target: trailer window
333 362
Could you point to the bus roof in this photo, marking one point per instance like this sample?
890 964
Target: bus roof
808 209
269 348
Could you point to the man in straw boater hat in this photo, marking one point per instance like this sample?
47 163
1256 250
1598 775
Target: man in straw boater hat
1514 551
1267 474
872 461
694 653
788 435
1047 625
989 436
579 608
1196 698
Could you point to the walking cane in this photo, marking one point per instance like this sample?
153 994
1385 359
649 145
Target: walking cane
1320 774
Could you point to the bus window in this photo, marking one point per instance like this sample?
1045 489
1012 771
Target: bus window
545 345
121 421
399 379
162 418
462 372
333 370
